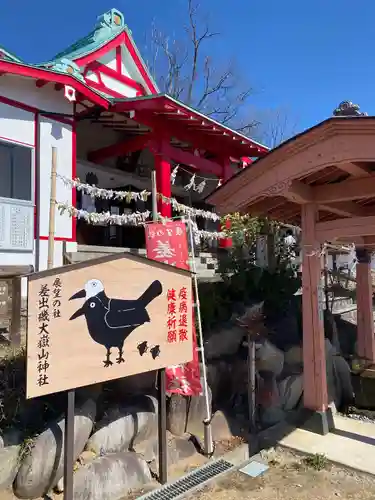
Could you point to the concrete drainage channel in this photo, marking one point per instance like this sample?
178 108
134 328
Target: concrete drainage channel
191 482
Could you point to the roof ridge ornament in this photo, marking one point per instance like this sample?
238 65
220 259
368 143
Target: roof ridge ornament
107 24
67 66
348 108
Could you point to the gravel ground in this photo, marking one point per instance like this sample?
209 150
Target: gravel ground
291 478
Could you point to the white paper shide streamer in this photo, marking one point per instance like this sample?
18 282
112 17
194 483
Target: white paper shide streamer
128 196
136 218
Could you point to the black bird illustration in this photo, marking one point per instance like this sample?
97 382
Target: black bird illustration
111 321
155 351
142 348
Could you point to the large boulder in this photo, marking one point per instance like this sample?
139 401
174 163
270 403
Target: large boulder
270 407
177 414
269 358
197 413
293 360
220 427
224 342
43 466
123 424
9 458
334 392
178 448
142 383
343 380
110 477
290 390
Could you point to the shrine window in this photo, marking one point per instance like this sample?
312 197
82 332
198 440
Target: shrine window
16 171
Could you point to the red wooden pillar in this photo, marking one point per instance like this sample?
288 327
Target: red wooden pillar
365 321
315 394
163 184
226 243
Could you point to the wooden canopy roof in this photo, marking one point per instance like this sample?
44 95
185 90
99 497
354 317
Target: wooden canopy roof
331 164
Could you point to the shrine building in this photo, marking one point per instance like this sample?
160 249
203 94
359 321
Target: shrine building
98 106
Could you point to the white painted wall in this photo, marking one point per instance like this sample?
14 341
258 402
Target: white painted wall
120 87
58 135
24 90
18 125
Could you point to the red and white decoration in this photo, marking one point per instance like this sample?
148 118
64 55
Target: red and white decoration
168 243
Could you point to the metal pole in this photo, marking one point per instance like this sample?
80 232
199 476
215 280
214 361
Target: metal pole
52 211
69 446
251 383
162 398
208 443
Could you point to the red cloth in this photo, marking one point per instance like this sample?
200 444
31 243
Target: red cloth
168 243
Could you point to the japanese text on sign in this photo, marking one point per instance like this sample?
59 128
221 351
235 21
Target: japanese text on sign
167 243
177 319
47 309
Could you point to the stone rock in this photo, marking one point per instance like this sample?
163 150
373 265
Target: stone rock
123 424
334 391
269 358
224 342
290 390
293 360
220 427
343 379
110 477
221 380
9 458
178 448
86 457
268 397
43 466
177 414
197 413
142 383
271 416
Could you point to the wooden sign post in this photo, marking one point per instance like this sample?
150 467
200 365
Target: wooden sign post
101 320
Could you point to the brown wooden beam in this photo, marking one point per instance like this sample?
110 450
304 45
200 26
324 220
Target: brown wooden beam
346 228
301 193
351 189
355 169
345 209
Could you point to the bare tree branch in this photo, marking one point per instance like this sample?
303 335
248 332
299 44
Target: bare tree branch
185 68
277 126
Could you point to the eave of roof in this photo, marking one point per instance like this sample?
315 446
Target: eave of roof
295 144
8 55
159 101
36 72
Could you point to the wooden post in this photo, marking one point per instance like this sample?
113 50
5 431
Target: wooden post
69 446
315 394
15 324
163 183
52 211
365 321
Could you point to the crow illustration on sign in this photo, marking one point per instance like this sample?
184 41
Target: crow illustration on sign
110 321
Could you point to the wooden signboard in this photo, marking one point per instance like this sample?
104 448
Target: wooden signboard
104 319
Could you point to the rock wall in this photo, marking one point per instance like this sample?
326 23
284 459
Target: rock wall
116 442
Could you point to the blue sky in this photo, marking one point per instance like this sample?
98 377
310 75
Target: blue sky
303 57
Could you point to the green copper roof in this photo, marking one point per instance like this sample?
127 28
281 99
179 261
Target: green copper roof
8 55
108 26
